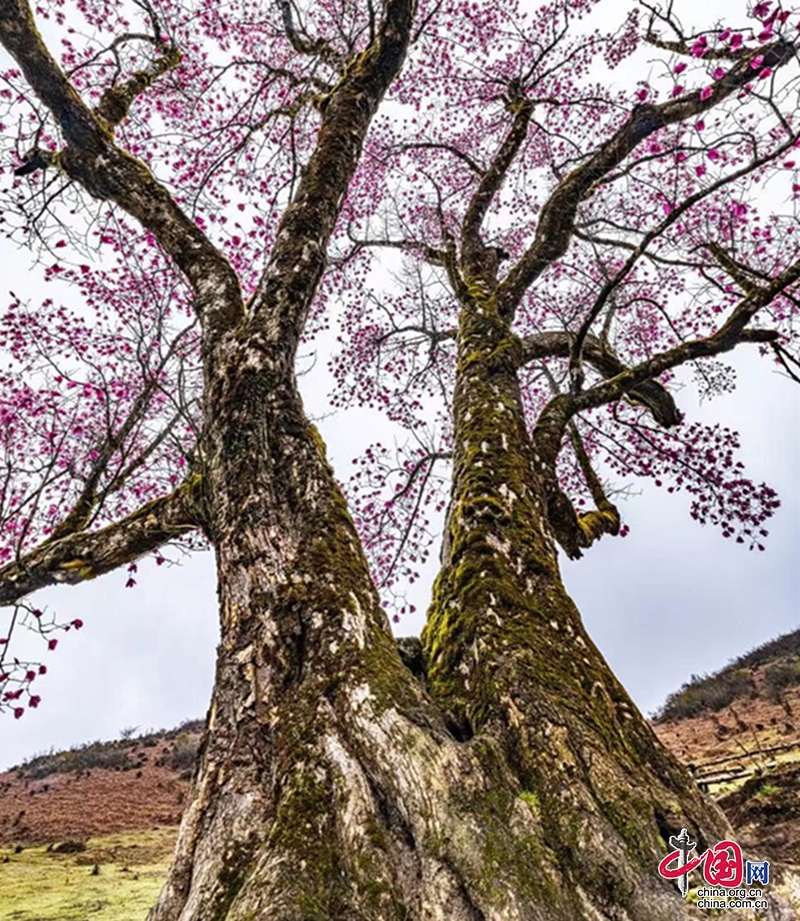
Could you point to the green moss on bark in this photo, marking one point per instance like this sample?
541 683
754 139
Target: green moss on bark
236 865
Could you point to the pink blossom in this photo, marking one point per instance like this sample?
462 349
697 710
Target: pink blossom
706 92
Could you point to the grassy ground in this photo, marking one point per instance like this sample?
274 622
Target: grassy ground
40 885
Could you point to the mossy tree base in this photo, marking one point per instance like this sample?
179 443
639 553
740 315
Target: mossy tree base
345 795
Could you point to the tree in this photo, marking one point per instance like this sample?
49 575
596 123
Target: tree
565 247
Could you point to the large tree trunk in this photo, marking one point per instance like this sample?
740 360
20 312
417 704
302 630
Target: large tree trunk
508 657
514 780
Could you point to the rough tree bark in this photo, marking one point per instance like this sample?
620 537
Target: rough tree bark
498 772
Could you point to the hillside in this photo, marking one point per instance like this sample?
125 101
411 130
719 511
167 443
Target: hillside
100 788
738 731
767 671
104 815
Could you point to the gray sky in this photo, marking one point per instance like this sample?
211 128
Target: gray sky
671 599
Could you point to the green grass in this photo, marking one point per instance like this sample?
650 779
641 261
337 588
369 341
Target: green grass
40 886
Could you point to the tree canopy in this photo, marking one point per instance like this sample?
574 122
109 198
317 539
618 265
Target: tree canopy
636 226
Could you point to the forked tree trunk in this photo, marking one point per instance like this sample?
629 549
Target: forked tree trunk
516 780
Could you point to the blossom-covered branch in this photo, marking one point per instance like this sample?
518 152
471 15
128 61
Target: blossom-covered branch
92 158
553 419
673 216
85 555
557 218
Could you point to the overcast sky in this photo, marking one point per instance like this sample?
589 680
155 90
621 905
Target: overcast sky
669 600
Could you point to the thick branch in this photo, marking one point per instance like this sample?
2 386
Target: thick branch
649 393
86 555
318 47
110 174
557 218
492 178
116 101
280 304
555 416
738 272
577 532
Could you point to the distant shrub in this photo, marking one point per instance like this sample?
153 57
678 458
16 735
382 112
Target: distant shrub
184 752
105 755
187 727
779 676
69 847
119 755
708 694
111 759
787 645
